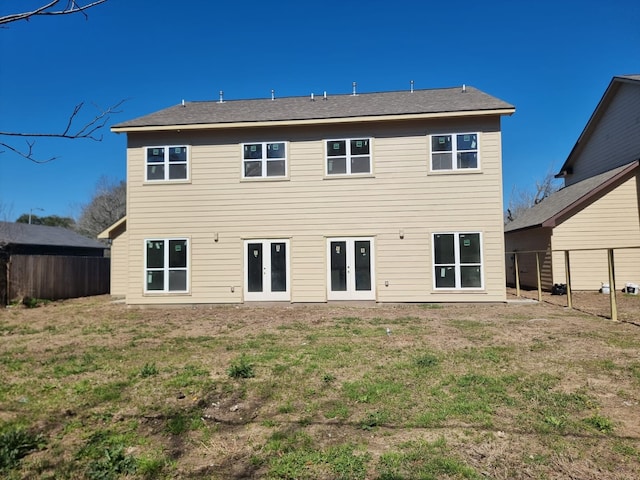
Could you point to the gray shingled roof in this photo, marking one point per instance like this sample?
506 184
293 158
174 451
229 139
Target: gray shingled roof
335 106
25 234
564 198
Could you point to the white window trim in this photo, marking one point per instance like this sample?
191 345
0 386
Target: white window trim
166 164
265 160
166 268
454 152
457 264
348 157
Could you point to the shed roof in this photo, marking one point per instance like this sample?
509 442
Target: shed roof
291 109
25 234
548 212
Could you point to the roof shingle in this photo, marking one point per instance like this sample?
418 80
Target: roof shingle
25 234
334 106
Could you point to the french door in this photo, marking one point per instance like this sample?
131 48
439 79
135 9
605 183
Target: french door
350 269
266 270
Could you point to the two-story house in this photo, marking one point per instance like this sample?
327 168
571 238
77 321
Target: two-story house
598 207
388 197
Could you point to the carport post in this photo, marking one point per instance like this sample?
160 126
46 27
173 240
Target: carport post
612 286
567 271
539 277
515 265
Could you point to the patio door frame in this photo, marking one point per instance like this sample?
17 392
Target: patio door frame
266 294
351 293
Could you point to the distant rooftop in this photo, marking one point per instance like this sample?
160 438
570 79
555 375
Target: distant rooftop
318 108
25 234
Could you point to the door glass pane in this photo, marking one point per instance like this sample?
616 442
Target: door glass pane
155 253
470 277
338 267
469 248
443 248
278 267
254 267
363 264
445 277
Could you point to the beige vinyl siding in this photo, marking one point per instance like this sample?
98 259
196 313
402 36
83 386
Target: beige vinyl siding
308 208
119 261
615 141
610 222
527 243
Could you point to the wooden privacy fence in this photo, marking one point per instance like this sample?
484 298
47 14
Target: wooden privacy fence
542 259
54 277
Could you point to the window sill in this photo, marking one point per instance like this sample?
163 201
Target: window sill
166 182
469 171
347 175
264 179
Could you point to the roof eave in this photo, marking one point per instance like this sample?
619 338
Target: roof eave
314 121
108 231
555 219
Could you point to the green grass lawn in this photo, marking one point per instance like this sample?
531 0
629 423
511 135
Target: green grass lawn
94 390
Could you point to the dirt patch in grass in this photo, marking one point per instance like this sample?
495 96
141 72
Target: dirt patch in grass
504 391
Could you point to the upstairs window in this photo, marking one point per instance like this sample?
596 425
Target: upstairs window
266 159
454 152
166 263
457 260
349 156
167 163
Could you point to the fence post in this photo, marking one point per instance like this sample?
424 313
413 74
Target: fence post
539 276
612 286
567 271
517 269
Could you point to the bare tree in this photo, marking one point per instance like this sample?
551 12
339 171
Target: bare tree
107 206
75 127
51 8
523 199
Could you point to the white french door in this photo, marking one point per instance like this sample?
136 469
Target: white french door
350 269
266 270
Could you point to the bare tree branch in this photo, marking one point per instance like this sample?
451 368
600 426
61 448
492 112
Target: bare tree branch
71 7
88 130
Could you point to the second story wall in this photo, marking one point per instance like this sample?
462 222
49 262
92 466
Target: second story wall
614 140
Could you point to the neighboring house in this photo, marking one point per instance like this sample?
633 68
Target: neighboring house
389 197
598 208
50 262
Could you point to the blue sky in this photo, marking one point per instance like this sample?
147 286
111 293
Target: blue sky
551 59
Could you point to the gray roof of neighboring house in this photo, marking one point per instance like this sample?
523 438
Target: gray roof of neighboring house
548 210
335 106
25 234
